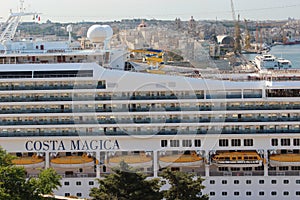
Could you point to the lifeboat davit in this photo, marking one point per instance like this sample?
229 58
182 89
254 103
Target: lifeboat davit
72 161
285 160
183 160
237 159
29 162
139 160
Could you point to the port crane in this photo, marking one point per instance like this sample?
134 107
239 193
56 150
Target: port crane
247 37
237 38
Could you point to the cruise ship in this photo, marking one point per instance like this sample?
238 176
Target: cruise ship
81 112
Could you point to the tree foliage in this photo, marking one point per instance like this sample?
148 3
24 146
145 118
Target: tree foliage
183 186
15 186
126 184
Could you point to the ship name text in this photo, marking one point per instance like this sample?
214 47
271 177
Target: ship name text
72 145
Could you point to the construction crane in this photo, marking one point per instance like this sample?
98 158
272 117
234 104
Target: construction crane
237 43
247 37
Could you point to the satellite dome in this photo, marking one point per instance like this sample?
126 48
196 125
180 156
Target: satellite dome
99 33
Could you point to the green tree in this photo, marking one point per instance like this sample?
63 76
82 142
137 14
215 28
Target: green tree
183 186
126 184
15 186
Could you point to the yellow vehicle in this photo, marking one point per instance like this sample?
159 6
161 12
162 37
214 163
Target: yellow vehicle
154 58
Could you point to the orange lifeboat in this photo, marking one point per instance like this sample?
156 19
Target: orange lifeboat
182 160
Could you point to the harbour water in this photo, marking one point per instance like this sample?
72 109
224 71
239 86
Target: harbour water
289 52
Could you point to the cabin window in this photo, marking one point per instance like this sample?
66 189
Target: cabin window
297 142
67 194
212 193
273 193
274 142
91 182
223 142
286 181
235 142
236 182
283 168
247 169
285 142
236 193
174 143
248 142
224 193
248 193
298 193
248 182
186 143
66 183
223 169
286 193
163 143
197 143
78 183
212 182
78 194
261 193
273 182
261 182
296 168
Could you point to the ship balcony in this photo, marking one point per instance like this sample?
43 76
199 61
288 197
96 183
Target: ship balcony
53 87
284 173
239 173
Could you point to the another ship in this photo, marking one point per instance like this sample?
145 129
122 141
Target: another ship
81 113
268 61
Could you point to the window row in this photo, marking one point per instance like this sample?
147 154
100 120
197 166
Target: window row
236 182
285 142
235 142
180 143
250 193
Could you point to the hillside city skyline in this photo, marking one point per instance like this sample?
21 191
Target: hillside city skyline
93 10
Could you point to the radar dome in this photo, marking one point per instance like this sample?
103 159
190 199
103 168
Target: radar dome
99 33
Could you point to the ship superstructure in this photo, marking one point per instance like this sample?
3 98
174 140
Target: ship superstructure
82 119
83 116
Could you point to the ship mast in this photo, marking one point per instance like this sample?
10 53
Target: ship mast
9 28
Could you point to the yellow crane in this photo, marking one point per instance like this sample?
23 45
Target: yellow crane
247 37
237 42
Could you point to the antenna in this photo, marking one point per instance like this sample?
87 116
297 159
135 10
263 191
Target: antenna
22 6
10 26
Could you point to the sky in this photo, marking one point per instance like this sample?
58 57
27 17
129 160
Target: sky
110 10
